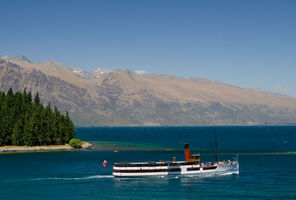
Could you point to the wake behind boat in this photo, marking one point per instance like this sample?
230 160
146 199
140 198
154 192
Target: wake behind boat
190 167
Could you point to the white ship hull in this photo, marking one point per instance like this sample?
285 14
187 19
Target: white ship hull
181 169
190 167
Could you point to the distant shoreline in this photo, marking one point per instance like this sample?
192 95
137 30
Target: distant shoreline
193 126
48 148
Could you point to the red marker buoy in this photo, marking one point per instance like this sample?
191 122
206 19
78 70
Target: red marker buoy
105 163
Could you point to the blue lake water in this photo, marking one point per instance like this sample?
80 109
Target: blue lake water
266 154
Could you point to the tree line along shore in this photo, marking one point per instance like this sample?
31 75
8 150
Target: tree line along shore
24 121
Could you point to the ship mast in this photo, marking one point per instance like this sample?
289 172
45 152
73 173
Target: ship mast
216 146
215 151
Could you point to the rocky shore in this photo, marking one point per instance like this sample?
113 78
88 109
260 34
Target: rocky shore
66 147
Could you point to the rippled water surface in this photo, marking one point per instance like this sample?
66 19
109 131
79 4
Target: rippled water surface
266 154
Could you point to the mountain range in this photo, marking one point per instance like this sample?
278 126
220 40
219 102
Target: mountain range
123 98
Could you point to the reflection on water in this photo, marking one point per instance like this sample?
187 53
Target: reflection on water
258 139
116 146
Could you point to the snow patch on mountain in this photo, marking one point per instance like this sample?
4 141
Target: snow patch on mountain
96 74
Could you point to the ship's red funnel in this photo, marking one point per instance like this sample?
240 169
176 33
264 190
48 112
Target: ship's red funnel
187 152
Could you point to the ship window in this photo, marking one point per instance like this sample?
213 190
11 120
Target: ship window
208 168
145 171
174 170
193 169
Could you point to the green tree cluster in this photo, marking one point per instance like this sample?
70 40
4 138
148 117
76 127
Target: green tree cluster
25 121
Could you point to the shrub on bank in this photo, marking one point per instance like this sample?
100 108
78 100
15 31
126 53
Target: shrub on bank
76 143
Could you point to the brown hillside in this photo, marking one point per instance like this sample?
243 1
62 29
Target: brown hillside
122 97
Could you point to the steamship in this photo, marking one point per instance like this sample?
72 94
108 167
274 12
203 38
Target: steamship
190 167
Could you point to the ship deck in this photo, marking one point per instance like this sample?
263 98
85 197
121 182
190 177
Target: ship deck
154 164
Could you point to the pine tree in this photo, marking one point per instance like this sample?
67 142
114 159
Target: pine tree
62 129
35 125
47 123
69 128
7 120
28 137
36 99
25 92
17 133
28 98
10 93
44 135
2 114
55 127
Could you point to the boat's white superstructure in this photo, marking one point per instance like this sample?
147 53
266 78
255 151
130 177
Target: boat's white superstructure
191 167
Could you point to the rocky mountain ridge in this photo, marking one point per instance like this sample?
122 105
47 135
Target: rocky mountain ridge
15 59
124 98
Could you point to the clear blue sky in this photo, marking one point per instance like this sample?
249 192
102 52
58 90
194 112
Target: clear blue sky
249 43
